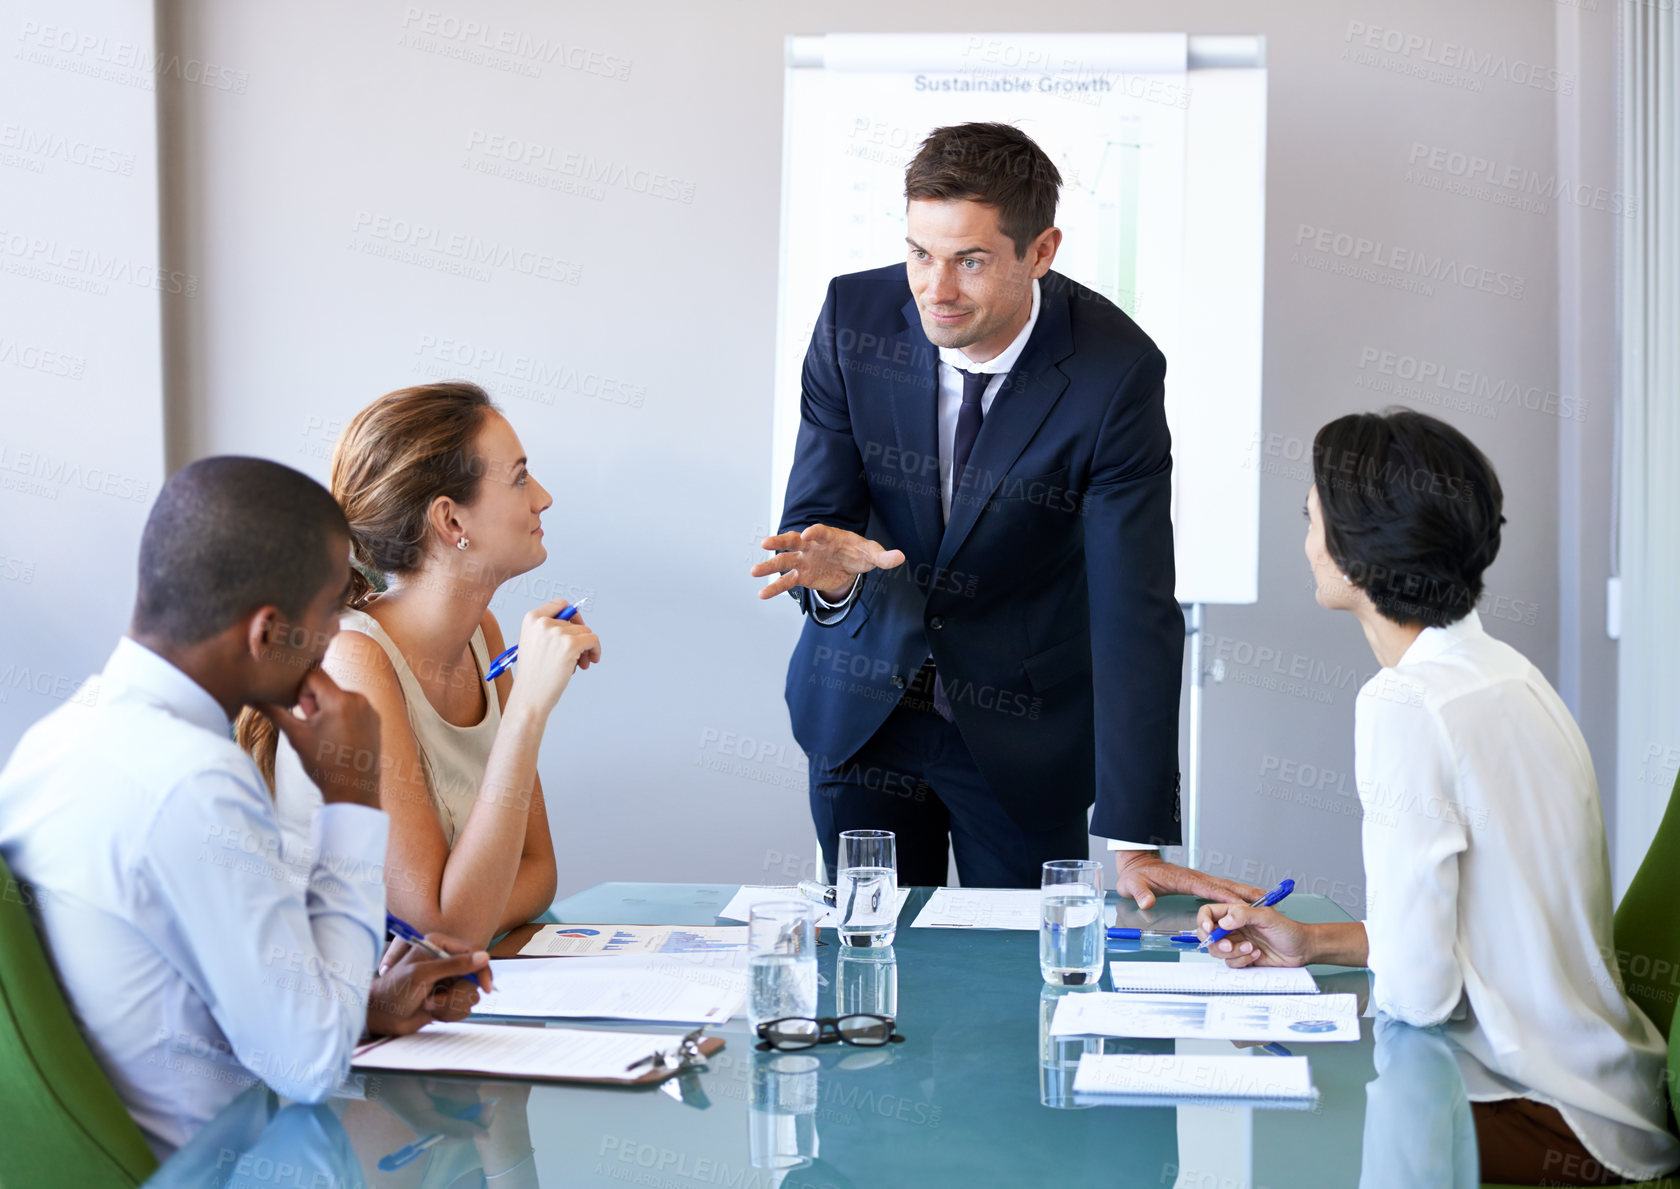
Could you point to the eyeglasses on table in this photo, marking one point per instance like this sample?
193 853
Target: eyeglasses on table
806 1032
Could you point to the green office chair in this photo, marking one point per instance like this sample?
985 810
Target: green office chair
1647 937
65 1125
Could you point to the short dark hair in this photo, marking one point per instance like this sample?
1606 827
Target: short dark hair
1411 512
228 535
995 164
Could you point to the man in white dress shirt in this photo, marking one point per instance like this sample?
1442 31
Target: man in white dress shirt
192 958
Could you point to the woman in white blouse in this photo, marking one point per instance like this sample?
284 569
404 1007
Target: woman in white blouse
1487 873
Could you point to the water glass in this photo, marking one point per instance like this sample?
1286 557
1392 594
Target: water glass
1071 934
866 894
781 960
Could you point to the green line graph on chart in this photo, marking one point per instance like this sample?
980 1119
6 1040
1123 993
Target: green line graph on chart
1113 187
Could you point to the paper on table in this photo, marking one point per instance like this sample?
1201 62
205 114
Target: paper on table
514 1051
740 905
578 941
1193 1075
701 989
1215 1017
1209 978
980 908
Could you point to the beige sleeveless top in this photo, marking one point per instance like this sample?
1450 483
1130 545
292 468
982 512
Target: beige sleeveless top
452 758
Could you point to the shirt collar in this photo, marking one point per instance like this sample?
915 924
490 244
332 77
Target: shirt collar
136 667
1432 642
1004 360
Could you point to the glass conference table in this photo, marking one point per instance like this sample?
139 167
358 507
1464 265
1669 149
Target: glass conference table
979 1094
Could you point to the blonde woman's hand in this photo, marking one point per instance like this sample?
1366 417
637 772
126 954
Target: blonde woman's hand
550 651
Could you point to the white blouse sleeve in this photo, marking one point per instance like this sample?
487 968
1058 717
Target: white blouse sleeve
1413 834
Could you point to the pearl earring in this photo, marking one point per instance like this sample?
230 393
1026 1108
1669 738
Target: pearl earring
1345 578
461 544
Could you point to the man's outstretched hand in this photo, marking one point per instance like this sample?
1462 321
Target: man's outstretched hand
823 558
1144 875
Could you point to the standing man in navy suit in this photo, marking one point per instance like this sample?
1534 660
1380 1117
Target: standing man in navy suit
978 529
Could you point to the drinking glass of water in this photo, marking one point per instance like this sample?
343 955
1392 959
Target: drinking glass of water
866 893
1070 926
781 960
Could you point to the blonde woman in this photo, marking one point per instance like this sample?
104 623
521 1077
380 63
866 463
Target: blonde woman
443 509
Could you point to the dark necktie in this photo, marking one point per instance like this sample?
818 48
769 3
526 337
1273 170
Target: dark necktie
968 428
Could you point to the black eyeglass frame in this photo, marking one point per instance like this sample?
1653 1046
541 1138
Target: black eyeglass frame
828 1032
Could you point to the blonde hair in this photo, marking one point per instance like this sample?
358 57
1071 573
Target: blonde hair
394 458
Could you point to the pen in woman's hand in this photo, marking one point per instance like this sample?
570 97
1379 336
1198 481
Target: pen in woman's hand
509 655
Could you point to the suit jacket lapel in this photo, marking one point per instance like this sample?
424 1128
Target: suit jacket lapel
915 411
1019 408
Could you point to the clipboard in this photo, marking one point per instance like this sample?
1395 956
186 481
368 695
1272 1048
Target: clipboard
681 1055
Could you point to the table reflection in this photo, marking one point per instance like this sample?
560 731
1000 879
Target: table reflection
400 1133
1418 1129
1058 1056
256 1141
866 981
427 1133
782 1111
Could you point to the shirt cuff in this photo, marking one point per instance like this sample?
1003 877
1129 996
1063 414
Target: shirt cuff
825 612
1116 844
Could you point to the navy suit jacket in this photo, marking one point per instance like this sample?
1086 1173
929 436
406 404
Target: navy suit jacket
1047 602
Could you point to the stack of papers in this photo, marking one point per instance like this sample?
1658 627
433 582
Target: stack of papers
740 906
1181 1076
1287 1018
1209 978
697 989
588 941
515 1052
980 908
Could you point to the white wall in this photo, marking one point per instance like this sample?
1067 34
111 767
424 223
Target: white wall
81 286
284 197
1588 346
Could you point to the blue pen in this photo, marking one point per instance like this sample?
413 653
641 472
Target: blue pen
1126 934
509 655
409 1152
414 937
1269 900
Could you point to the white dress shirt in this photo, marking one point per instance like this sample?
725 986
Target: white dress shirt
193 962
1488 890
951 359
